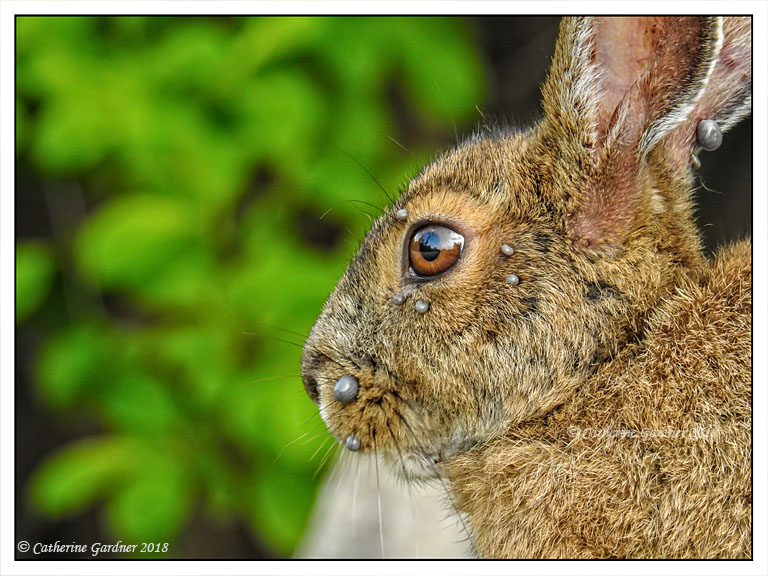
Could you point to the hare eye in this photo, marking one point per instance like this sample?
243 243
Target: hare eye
434 249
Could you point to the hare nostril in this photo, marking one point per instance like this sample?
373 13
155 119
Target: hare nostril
310 385
352 443
346 389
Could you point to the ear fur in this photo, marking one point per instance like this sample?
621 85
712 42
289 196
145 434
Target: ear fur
618 87
727 96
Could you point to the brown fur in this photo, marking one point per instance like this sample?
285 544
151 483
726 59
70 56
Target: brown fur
543 491
618 322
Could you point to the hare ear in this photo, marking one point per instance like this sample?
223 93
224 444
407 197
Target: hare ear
616 88
727 96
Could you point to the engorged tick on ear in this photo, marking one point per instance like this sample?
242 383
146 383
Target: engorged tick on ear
708 135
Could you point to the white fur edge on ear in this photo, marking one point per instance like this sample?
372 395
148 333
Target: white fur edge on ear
583 74
737 115
677 116
586 84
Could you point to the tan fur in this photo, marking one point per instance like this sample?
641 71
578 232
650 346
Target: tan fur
618 323
541 491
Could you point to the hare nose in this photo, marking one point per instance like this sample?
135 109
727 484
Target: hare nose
346 389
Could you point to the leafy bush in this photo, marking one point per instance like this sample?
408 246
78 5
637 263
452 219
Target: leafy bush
219 161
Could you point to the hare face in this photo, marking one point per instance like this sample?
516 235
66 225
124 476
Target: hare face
514 265
463 312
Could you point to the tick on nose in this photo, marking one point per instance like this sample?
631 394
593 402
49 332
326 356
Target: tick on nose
352 443
346 389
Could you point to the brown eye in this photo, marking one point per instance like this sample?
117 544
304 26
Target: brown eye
434 249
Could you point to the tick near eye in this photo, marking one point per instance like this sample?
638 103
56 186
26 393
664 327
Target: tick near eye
434 249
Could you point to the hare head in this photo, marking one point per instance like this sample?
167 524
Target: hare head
517 263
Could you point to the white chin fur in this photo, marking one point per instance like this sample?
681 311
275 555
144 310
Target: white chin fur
417 466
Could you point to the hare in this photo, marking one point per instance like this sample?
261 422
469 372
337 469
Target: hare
535 321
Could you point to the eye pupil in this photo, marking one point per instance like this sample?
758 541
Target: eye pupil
429 246
434 249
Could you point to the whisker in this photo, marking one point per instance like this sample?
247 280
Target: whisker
367 204
399 452
401 146
408 488
336 410
268 378
378 491
300 437
270 327
354 490
339 364
315 415
353 239
319 448
275 338
307 441
339 472
394 439
356 161
325 458
440 479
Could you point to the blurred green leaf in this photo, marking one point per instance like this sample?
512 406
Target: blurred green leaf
77 360
34 272
75 476
444 73
360 51
42 34
131 242
76 130
282 114
265 40
207 150
154 506
188 58
270 413
203 358
138 403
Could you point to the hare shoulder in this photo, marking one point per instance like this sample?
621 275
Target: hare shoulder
651 459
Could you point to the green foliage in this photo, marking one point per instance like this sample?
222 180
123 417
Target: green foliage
206 151
34 273
79 474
